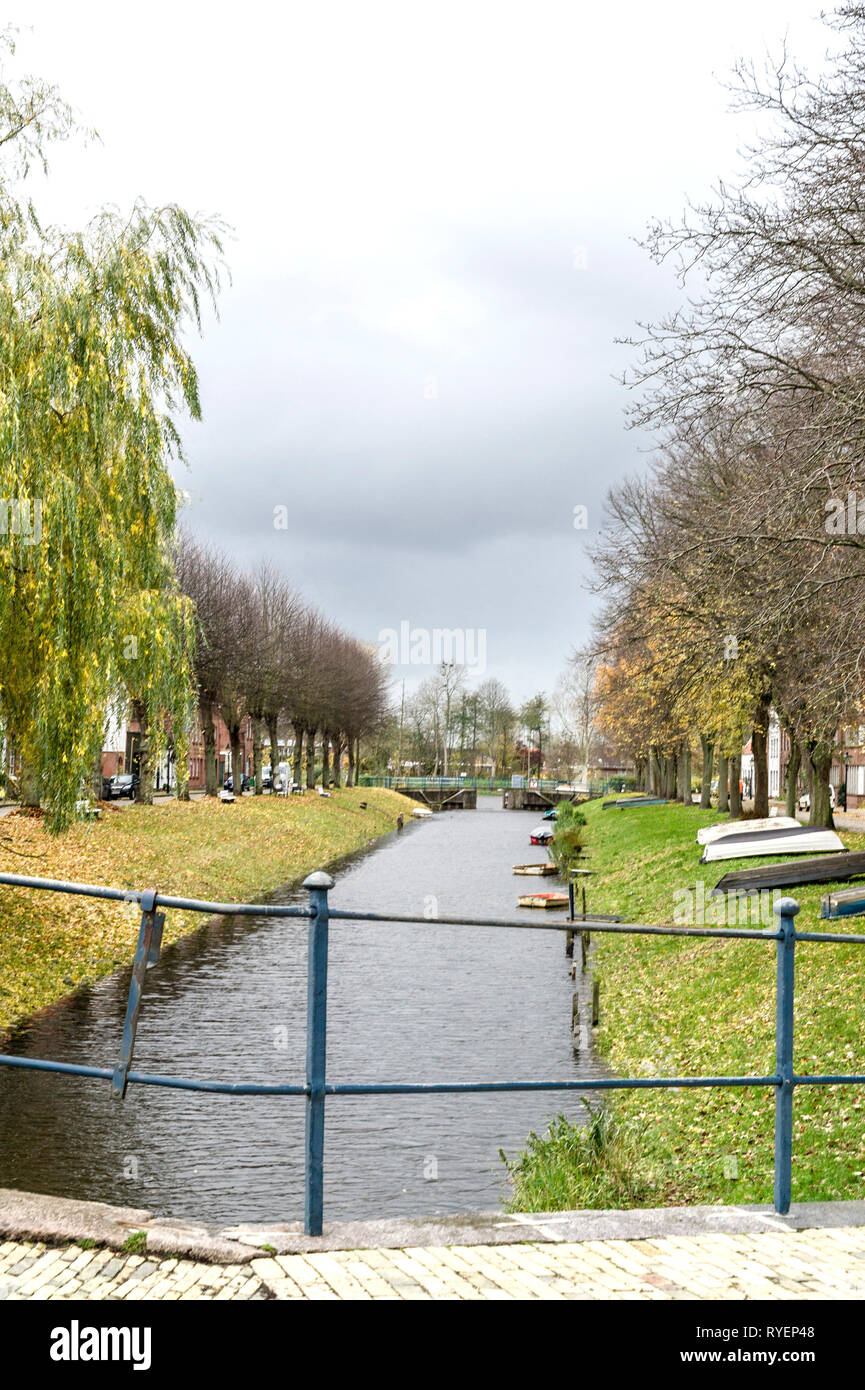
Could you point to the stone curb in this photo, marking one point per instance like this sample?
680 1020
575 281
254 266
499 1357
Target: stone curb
63 1220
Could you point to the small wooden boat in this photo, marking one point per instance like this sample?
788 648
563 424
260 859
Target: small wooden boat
422 812
543 900
827 868
542 869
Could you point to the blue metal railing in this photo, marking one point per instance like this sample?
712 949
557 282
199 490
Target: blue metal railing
316 1089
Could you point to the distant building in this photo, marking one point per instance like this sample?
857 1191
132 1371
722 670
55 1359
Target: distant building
122 752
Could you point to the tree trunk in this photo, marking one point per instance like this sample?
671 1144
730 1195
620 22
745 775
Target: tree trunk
656 773
760 750
182 792
256 755
794 762
145 770
670 777
210 772
723 779
349 781
297 759
236 760
337 760
685 775
30 787
96 777
273 735
357 760
325 760
708 746
820 757
736 787
310 758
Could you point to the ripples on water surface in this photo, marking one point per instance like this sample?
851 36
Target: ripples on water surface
418 1003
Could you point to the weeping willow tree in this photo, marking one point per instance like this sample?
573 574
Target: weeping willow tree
94 376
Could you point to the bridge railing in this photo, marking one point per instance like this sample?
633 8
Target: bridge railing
315 1089
489 784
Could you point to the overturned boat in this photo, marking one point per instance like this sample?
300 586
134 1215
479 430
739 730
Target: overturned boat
827 868
804 839
707 833
543 870
541 835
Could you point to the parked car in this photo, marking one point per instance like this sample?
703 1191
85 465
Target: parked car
123 784
804 802
245 783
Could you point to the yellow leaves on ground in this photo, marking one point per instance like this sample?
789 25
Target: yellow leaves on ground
51 943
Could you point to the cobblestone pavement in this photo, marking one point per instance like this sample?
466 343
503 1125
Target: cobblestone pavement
812 1264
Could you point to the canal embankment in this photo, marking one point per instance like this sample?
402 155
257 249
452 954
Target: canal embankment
52 945
689 1007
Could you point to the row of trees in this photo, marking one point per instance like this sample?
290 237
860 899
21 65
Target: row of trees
262 652
733 572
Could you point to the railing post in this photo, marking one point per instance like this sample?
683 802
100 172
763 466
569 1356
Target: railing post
317 885
146 954
786 908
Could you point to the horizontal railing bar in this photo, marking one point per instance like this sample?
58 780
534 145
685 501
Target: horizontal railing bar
90 890
409 1088
579 924
383 1088
828 1080
344 914
179 1083
841 938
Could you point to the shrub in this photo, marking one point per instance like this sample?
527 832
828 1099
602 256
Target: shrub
597 1164
566 845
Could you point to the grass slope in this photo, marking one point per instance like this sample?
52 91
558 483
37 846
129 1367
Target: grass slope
689 1007
51 944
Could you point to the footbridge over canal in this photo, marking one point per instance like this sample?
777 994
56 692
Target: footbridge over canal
440 793
461 793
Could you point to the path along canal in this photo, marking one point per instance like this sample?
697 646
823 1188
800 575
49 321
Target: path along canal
419 1003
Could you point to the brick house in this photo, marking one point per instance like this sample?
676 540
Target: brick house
122 739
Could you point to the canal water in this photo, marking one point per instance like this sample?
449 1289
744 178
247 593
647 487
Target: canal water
417 1003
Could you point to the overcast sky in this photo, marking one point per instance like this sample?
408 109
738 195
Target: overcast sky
432 208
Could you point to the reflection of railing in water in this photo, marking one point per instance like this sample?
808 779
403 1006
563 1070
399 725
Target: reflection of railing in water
315 1088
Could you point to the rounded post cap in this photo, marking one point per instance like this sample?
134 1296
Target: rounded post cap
320 880
786 907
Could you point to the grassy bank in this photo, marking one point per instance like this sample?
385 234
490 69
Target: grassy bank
690 1007
51 944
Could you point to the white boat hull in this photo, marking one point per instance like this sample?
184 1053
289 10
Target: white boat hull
801 841
707 833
